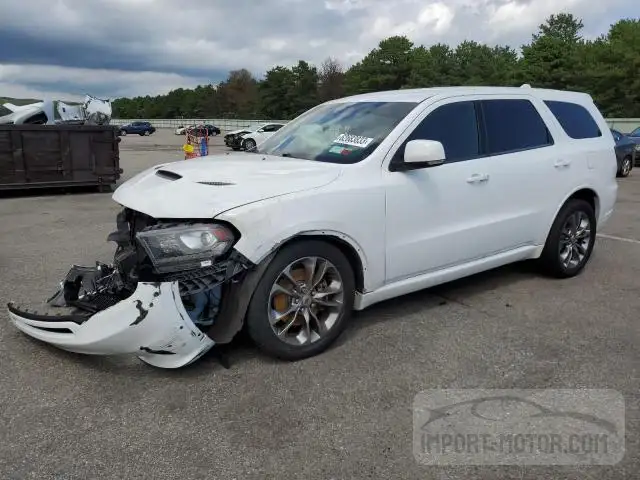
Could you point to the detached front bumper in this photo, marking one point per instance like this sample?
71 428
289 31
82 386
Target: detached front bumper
152 323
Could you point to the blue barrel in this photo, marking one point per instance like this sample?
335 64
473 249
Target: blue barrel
204 148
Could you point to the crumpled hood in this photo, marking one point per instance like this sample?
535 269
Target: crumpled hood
207 186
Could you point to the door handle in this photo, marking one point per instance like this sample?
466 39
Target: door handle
478 178
562 163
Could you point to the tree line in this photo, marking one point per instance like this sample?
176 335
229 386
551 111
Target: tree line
558 56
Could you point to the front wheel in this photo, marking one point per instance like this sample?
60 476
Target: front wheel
123 133
571 240
625 167
303 301
249 144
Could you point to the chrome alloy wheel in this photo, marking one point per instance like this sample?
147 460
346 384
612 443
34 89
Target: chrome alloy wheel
249 145
626 167
574 240
305 301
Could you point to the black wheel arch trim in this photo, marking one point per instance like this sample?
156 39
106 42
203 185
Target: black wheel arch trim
238 296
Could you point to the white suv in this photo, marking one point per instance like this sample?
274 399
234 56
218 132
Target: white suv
357 201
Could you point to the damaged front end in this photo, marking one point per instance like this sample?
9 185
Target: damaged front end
172 290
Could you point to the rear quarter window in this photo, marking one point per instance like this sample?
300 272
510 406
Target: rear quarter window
575 120
513 125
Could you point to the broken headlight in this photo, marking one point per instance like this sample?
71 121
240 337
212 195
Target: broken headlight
185 247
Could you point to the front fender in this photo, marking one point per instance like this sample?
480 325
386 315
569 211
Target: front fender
259 250
354 216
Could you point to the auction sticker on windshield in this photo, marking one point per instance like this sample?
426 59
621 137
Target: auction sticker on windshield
353 140
341 150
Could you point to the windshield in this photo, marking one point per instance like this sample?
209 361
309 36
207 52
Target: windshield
337 132
636 132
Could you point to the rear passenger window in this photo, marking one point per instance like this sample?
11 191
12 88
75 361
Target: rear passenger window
455 126
513 125
576 120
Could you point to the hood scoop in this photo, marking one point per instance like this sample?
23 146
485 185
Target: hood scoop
172 176
167 175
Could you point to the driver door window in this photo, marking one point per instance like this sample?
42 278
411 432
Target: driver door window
454 125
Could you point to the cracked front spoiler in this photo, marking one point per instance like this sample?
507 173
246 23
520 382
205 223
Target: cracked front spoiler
152 323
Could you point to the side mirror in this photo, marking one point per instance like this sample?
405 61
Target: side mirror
261 130
421 154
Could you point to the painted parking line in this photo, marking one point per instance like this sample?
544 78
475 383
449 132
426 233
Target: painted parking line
620 239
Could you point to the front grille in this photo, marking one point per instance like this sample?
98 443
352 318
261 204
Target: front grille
196 281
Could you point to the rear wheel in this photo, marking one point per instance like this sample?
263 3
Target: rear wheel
123 133
303 301
571 240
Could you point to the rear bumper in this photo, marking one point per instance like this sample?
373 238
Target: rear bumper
152 324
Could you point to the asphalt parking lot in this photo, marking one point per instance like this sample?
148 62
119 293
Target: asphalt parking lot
344 414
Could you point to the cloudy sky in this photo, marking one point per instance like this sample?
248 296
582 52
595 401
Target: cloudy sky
113 48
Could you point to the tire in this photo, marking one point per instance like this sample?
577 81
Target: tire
147 133
249 144
123 133
109 188
625 167
551 259
261 310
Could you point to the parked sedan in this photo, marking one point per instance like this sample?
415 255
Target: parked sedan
634 136
234 138
141 128
259 135
182 129
625 153
211 130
